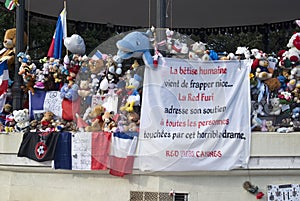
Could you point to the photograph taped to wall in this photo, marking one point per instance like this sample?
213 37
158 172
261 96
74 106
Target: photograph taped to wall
286 192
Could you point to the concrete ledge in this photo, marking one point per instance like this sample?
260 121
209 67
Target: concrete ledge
275 144
262 143
268 150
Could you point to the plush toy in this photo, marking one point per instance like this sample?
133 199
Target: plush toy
296 95
109 125
21 118
29 84
8 51
242 53
282 80
295 112
256 122
133 117
96 118
270 127
34 125
7 109
264 126
275 84
285 129
69 91
261 68
134 98
96 66
27 66
75 44
132 127
47 119
169 38
84 89
49 83
197 51
295 74
276 106
94 84
9 123
135 45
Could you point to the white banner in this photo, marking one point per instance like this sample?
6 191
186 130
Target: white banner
195 116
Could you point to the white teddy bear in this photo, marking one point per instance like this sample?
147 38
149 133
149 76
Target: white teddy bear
21 118
276 106
198 51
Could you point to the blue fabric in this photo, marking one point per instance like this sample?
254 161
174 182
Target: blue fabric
36 101
63 159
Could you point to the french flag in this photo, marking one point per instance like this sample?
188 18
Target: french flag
3 77
60 34
122 153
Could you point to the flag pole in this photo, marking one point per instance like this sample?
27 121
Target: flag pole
65 7
17 93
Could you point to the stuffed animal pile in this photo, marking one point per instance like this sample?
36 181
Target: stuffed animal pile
86 84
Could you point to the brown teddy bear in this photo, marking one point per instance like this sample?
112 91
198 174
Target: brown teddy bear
8 52
47 119
96 66
273 84
29 84
109 125
96 119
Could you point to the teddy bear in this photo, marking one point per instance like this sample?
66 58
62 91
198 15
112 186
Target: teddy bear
270 127
261 68
96 66
34 125
276 106
273 84
197 51
296 95
8 51
295 75
132 127
109 125
47 119
29 84
95 115
84 89
21 118
85 93
133 117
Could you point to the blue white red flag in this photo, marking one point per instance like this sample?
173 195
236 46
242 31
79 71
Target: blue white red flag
122 154
60 34
3 77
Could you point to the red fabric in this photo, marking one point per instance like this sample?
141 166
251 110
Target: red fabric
121 166
69 109
100 150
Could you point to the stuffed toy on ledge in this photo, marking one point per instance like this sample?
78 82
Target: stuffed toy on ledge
136 45
9 43
22 119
